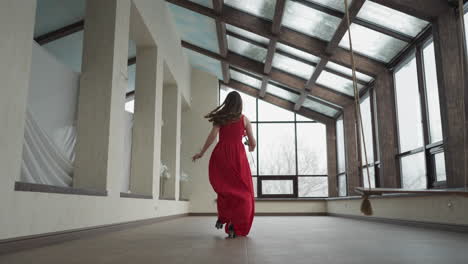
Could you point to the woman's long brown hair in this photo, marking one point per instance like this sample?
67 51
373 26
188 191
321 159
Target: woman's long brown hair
230 110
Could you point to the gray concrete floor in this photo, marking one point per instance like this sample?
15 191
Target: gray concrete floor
287 240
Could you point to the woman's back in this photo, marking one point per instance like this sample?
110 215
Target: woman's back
232 132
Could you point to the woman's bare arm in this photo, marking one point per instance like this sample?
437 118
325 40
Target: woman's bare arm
209 140
248 129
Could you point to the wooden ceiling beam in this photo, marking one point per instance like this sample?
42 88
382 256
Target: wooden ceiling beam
60 33
222 40
279 102
278 17
269 56
275 30
263 88
343 26
310 83
385 31
218 6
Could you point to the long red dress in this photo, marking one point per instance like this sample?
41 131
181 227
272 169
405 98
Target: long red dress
231 179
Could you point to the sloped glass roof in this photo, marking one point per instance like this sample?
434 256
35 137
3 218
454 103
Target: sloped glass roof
337 83
195 28
349 72
246 49
313 22
247 34
298 53
334 4
373 44
204 63
293 66
391 19
317 106
287 95
247 79
309 21
261 8
55 14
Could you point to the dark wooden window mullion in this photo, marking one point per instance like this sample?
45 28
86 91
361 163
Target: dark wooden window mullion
374 137
296 188
424 115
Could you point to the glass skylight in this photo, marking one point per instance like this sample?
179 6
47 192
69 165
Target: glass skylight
334 4
246 49
245 79
316 106
347 71
391 19
204 63
260 8
298 53
195 28
310 21
373 44
282 93
337 83
293 66
247 34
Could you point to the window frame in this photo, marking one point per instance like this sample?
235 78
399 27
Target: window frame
339 174
375 164
429 149
296 176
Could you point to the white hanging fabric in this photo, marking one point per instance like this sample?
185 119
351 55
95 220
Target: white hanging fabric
43 161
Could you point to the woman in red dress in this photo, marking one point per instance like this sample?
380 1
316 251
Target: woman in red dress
229 168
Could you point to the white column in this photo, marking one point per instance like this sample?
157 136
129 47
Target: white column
16 31
146 143
170 145
99 149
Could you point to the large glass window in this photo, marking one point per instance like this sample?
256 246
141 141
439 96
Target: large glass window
421 156
368 139
432 94
408 106
341 157
291 156
276 147
340 144
311 148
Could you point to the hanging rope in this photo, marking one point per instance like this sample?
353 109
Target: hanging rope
366 207
462 42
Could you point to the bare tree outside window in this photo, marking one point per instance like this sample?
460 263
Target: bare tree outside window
288 145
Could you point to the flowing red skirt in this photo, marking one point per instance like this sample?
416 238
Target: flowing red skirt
231 179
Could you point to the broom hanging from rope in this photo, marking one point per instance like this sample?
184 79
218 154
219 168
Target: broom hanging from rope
366 207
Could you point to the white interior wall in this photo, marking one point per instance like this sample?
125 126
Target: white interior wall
195 128
162 28
32 213
170 141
